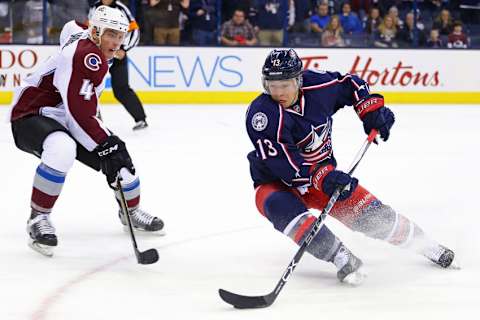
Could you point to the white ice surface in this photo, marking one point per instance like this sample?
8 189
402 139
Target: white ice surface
194 174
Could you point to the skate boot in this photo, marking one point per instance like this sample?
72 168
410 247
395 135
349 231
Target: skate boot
350 269
42 233
142 124
441 256
141 220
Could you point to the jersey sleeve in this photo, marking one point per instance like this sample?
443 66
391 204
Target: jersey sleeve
351 89
79 78
269 133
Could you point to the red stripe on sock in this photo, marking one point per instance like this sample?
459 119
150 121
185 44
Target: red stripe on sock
132 203
304 228
402 231
42 199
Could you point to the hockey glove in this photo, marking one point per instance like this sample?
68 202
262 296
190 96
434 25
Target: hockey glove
375 115
114 156
327 180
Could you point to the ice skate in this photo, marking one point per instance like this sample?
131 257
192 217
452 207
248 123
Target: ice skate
351 271
142 221
42 234
142 124
442 256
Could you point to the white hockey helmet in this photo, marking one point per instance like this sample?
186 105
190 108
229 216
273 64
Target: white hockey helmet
106 17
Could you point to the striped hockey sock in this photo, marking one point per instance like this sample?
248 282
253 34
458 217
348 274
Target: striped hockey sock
132 193
47 186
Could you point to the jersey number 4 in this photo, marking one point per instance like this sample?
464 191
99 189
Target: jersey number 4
270 149
87 89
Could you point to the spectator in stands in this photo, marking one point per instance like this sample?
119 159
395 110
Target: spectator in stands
444 23
333 34
393 12
5 23
302 11
319 21
361 7
457 39
271 17
238 31
349 20
386 35
434 40
203 19
163 17
373 21
32 21
64 11
230 6
433 7
406 35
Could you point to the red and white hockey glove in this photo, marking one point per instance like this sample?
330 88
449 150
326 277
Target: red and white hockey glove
326 179
375 115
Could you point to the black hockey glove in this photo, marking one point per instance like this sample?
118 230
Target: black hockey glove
114 156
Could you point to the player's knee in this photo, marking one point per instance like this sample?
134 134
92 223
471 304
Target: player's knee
282 207
376 221
127 176
59 151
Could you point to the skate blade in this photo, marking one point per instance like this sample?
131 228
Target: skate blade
44 250
160 232
454 265
355 278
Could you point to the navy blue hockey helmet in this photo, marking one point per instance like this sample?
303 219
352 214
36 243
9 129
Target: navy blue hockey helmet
282 64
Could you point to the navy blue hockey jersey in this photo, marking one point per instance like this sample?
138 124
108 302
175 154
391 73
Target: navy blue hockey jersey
289 141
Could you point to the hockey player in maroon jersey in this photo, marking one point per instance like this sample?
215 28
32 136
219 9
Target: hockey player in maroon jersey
54 117
294 169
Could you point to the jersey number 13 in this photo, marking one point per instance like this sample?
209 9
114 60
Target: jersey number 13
266 148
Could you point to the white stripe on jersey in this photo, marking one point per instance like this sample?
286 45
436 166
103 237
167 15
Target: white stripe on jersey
61 80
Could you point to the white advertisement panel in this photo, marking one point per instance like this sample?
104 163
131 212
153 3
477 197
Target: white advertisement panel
237 70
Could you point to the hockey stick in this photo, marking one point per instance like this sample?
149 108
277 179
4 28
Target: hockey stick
249 302
146 257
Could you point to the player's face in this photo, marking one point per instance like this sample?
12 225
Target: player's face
111 42
285 92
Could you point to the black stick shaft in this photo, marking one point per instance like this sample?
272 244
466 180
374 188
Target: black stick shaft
241 301
124 207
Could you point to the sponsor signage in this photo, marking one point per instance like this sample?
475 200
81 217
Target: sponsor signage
236 70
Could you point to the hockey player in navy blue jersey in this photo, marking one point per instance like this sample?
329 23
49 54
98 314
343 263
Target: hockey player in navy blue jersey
294 169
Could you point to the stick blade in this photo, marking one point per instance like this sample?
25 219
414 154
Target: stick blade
245 302
147 257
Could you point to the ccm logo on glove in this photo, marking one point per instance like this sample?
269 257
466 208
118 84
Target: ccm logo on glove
108 151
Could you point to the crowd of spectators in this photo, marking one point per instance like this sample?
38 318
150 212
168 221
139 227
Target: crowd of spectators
310 23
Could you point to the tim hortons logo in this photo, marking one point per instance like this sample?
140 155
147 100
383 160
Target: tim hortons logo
399 74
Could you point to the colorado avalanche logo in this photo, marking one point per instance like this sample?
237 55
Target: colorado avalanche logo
92 61
259 121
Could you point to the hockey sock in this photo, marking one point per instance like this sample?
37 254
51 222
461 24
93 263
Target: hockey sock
323 246
381 222
131 188
47 186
